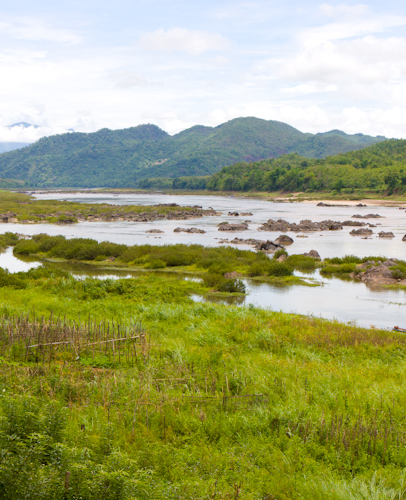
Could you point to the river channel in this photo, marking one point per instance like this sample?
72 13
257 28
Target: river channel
345 301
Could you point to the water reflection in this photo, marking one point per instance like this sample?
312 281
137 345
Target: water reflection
15 265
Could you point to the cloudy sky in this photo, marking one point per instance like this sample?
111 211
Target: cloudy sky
87 64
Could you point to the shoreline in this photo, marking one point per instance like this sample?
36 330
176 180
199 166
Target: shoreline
262 195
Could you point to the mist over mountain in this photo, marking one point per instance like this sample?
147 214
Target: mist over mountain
120 158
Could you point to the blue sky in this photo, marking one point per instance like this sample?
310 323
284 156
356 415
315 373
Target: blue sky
93 64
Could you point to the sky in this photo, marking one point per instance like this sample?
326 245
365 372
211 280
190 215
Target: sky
87 65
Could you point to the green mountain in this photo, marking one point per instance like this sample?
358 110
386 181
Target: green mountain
380 168
120 158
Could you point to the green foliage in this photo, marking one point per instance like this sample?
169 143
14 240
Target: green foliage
121 158
339 269
301 262
259 269
8 239
155 264
378 168
26 208
10 280
399 271
217 402
279 269
279 252
217 260
221 284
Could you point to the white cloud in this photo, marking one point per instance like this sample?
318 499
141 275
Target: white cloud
34 29
307 88
183 40
245 11
344 10
364 60
28 134
128 79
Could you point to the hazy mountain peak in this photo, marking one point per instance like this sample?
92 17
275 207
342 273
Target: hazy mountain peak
22 124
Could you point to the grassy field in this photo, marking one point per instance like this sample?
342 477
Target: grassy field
150 395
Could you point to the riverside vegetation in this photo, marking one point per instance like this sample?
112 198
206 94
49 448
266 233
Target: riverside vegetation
219 267
214 264
128 389
375 170
19 207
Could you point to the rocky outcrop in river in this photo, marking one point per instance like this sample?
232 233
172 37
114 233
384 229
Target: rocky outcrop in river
353 223
226 226
118 214
368 216
193 230
302 227
378 273
284 240
266 246
361 232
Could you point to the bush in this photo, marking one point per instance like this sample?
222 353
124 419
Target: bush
279 269
280 252
301 262
8 239
11 280
221 284
232 286
155 264
398 271
26 247
213 280
340 269
398 274
259 269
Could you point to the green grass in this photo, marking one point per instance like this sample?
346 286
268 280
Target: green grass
220 402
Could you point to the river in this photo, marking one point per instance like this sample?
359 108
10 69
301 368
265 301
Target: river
345 301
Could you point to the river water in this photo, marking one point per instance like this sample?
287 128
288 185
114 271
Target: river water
334 299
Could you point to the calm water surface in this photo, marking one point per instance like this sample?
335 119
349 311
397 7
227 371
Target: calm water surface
335 299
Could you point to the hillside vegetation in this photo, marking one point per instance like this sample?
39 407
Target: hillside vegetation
380 168
120 158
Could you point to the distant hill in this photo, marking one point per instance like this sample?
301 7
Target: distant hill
120 158
380 168
11 146
23 125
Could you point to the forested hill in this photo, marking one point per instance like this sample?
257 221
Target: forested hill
379 168
120 158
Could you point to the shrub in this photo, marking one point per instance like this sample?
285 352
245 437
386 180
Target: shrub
11 280
259 269
232 286
340 269
301 262
26 247
398 271
8 239
280 252
155 264
279 269
398 274
213 280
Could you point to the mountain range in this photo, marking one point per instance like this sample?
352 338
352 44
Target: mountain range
120 158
